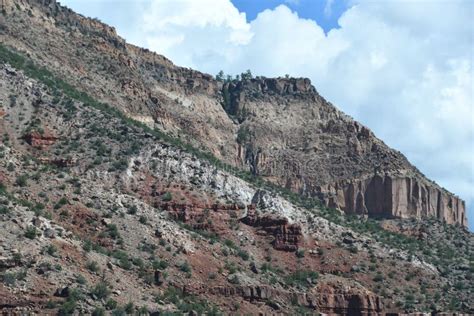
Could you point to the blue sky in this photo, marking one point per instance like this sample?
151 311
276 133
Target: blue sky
326 14
404 68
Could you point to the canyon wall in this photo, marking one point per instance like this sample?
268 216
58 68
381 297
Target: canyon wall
277 128
386 197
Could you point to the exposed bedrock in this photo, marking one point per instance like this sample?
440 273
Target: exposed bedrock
387 196
286 236
348 301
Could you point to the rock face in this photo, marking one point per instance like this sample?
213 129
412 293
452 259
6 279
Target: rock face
286 236
401 197
278 128
292 136
40 140
325 298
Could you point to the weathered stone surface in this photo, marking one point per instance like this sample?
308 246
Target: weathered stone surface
40 140
286 236
325 298
401 197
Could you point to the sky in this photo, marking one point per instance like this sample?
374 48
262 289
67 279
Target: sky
404 68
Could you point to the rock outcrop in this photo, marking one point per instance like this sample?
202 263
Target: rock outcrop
293 137
40 140
400 197
325 298
286 236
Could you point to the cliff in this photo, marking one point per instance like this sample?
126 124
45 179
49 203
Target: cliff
278 128
291 135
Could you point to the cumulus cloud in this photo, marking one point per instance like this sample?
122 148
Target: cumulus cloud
404 68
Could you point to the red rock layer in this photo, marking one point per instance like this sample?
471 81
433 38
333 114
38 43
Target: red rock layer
286 236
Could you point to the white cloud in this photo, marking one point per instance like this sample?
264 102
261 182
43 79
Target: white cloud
404 68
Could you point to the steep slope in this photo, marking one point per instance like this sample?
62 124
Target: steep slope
280 129
98 212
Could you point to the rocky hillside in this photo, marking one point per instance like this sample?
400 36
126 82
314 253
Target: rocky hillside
100 213
280 129
131 198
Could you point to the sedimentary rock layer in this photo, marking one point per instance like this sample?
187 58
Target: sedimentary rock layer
278 128
402 197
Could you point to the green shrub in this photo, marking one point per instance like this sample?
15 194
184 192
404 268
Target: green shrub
129 308
300 277
143 220
300 253
159 264
123 259
378 277
100 290
9 278
62 201
132 210
243 254
112 231
22 180
229 243
92 266
111 304
31 232
67 308
167 197
81 279
51 250
98 312
185 267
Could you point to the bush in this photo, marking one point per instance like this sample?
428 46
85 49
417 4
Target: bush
67 308
98 312
111 304
378 277
100 290
300 277
22 180
243 254
112 231
229 243
123 259
31 232
129 308
300 253
62 201
167 197
92 266
185 267
81 279
51 250
4 210
143 220
9 278
159 264
132 210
